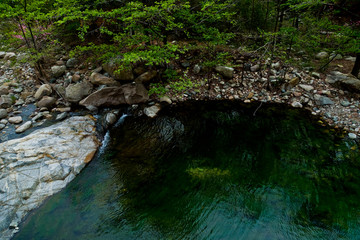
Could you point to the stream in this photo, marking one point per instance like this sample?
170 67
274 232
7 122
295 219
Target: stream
211 170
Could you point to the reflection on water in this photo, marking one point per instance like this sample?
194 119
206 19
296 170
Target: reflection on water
211 171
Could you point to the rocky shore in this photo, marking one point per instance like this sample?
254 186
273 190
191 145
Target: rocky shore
38 164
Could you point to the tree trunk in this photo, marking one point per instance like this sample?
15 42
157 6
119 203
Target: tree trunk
356 68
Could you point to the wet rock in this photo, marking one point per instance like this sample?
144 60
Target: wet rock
47 102
307 88
6 101
123 75
15 120
58 71
152 111
24 127
76 92
227 72
110 118
3 113
114 96
322 55
44 90
99 79
41 164
71 63
146 77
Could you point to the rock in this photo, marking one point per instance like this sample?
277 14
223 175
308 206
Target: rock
343 81
110 118
307 88
10 56
345 103
152 111
6 101
3 113
166 99
315 75
276 65
196 69
2 54
292 83
76 78
24 127
4 121
185 64
59 88
322 55
114 96
335 56
60 63
2 126
4 90
71 63
99 79
123 75
46 102
296 104
146 77
352 135
75 92
322 100
41 164
227 72
352 59
44 90
61 116
58 71
15 120
255 68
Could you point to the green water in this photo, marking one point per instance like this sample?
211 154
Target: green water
211 171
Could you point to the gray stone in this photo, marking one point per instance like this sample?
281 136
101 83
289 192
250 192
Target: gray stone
152 111
24 127
58 71
3 113
44 90
76 92
227 72
10 56
276 65
307 88
352 135
2 126
114 96
335 56
41 164
316 75
99 79
146 77
296 104
324 101
345 103
61 116
71 63
110 118
47 102
322 55
2 54
352 59
343 81
15 120
255 68
6 101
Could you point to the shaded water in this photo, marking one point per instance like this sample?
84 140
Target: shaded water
211 171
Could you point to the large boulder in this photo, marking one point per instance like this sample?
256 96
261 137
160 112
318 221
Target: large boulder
114 96
58 71
124 75
99 79
343 81
75 92
41 164
227 72
44 90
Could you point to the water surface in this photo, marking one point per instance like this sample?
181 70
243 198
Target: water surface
211 171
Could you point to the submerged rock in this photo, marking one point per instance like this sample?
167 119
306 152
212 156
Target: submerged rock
41 164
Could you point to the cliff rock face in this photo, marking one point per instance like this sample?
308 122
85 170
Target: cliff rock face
41 164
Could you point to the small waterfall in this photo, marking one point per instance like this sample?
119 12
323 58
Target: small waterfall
107 137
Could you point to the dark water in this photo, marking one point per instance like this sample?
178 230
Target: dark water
211 171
